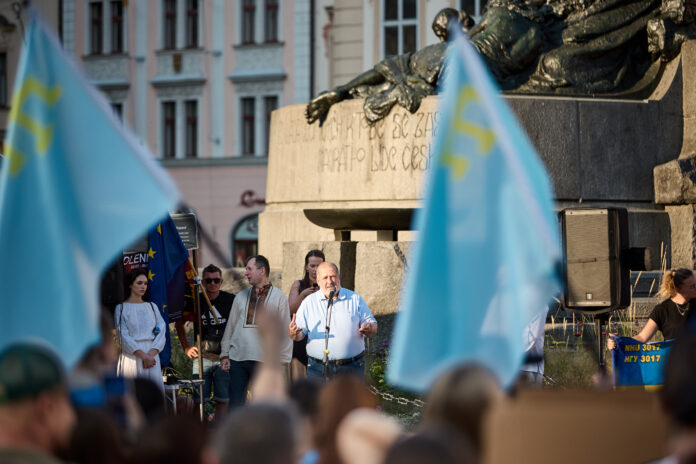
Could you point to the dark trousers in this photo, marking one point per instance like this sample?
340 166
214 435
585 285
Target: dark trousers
240 375
315 369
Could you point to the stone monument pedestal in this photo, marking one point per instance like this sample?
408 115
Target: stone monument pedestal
349 188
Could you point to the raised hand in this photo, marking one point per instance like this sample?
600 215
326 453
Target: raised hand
294 332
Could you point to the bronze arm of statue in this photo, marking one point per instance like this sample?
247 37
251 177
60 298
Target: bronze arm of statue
421 64
318 108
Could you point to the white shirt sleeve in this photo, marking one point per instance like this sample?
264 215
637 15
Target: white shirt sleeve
128 344
301 315
364 311
226 342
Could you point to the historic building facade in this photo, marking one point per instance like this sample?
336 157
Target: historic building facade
197 81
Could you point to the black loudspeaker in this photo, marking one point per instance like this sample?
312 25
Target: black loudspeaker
595 268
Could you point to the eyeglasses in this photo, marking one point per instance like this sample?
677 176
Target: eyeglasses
210 281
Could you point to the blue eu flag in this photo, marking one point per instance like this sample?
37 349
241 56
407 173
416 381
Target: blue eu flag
488 229
166 255
76 189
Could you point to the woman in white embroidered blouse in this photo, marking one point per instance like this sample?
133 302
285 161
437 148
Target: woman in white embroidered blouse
141 332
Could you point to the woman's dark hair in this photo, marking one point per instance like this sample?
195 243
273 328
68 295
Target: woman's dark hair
311 254
130 278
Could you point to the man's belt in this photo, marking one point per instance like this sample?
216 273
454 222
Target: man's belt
339 362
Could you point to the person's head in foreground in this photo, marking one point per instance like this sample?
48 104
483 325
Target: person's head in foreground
35 411
460 398
365 435
678 397
435 444
257 434
340 396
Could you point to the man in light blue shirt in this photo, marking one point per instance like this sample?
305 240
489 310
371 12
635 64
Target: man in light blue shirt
351 321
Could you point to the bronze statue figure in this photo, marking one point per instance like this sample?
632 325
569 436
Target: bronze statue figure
404 79
566 47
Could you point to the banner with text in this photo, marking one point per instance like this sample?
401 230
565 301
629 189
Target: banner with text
639 364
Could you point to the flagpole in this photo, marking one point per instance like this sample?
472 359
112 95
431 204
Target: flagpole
197 311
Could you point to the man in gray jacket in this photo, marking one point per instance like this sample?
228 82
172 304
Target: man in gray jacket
241 346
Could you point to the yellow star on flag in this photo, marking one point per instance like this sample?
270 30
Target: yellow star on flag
150 275
151 253
159 229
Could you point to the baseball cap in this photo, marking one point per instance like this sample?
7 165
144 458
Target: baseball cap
27 370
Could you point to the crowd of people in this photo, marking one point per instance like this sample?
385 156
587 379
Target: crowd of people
110 408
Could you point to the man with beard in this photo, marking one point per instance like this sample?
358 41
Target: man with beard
241 345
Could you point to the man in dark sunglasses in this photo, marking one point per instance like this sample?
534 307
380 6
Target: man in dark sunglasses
216 380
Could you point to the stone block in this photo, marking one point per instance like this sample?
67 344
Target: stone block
675 181
379 274
552 126
683 239
278 224
624 151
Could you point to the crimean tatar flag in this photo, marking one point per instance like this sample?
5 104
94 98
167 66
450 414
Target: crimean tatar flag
485 260
76 189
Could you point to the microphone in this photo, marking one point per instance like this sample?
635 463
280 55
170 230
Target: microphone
331 296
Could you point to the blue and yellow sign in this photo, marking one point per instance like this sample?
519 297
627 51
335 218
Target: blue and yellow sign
639 364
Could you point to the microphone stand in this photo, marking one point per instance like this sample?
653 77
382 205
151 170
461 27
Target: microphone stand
327 329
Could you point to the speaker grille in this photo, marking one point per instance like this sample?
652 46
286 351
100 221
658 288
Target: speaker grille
589 258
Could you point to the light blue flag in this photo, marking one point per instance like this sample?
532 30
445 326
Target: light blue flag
485 260
75 191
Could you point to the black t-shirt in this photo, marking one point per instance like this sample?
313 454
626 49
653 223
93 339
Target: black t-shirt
671 318
211 330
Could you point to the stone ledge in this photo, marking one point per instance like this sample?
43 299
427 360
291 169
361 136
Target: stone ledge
675 181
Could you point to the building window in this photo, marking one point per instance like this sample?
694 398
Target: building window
168 129
169 39
270 104
191 23
191 128
270 23
400 27
3 80
117 26
118 110
474 8
248 19
245 239
248 123
96 28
